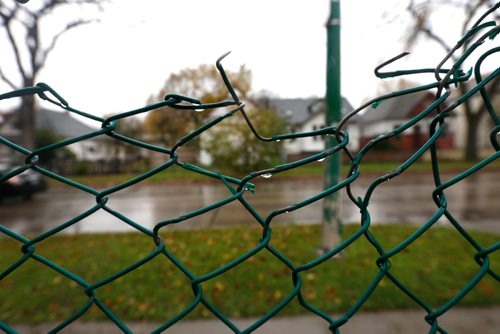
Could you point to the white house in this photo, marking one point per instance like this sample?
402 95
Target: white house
64 125
61 124
308 114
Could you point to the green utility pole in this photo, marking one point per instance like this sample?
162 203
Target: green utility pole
332 223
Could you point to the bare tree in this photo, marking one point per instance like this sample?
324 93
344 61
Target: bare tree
420 12
21 26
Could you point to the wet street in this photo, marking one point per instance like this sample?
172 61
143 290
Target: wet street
475 202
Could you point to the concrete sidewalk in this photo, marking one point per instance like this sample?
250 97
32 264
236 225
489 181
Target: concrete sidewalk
456 321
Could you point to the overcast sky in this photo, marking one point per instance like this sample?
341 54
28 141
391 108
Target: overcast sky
113 66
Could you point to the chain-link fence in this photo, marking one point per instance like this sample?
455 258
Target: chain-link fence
447 99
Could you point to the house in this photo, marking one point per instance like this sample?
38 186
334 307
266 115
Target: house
308 114
62 124
392 113
305 115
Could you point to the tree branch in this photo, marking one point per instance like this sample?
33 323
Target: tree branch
470 10
420 26
7 80
8 18
436 39
33 44
50 5
69 26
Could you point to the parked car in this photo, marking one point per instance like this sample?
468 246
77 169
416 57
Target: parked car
23 185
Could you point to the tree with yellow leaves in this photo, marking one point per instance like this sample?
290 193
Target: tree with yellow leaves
234 148
204 83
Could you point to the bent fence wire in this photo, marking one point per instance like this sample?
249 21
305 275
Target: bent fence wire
445 103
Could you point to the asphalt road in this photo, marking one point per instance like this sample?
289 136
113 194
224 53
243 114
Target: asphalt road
406 199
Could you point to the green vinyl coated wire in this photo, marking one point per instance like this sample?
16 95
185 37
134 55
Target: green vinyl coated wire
447 99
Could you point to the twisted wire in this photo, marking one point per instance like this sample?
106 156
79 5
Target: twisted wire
446 101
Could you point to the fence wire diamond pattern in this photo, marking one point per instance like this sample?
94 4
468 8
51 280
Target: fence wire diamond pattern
445 103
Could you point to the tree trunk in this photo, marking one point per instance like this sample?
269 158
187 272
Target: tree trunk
27 121
472 117
471 144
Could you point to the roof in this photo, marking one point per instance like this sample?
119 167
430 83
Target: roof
299 110
60 123
397 108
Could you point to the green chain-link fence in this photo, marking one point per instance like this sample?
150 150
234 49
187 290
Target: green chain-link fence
445 103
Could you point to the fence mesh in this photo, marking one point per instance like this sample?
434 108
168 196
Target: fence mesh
447 99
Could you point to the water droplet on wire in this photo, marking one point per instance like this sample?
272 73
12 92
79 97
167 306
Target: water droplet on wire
198 109
267 175
320 160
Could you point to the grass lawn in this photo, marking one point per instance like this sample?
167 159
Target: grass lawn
178 174
435 267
